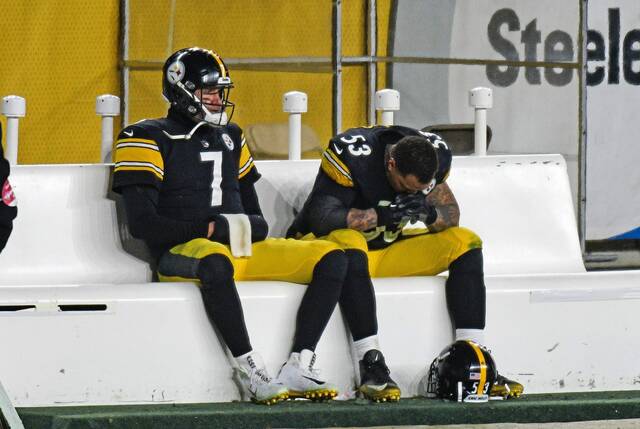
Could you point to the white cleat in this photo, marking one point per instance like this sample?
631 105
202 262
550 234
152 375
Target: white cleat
303 380
256 385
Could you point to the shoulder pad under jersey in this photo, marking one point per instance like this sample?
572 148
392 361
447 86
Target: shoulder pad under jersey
348 150
137 150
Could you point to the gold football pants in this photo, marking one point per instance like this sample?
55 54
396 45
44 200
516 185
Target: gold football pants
280 259
414 255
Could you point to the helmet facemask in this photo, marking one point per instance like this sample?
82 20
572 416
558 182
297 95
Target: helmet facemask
190 103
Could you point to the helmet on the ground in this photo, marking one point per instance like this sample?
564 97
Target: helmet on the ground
190 69
463 372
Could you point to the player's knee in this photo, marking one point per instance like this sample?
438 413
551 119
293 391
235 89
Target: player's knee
358 263
214 269
469 262
468 239
200 248
332 266
348 239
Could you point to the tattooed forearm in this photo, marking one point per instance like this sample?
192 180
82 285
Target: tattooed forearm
445 203
362 220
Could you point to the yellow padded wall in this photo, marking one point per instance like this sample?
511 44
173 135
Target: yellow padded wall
254 29
59 56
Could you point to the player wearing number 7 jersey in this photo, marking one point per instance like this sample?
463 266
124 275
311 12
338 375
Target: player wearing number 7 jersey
187 181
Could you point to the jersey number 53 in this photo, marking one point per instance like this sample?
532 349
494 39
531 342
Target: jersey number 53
357 145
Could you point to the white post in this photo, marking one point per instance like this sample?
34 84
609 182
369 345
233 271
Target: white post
388 101
295 104
480 99
13 107
107 106
8 411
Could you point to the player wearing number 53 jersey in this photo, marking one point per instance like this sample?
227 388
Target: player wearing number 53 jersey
187 181
372 183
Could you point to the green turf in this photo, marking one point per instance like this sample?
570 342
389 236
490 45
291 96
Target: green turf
293 414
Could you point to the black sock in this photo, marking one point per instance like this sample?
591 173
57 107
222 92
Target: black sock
466 293
222 303
319 300
358 299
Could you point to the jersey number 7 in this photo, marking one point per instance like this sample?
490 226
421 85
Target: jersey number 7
216 191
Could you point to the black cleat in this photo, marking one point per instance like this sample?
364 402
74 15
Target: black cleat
375 383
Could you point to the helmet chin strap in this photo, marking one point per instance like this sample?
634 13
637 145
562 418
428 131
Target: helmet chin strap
218 118
215 118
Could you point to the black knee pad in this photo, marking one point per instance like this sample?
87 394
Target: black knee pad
214 269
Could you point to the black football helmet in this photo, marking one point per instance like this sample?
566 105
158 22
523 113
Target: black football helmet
444 156
190 69
463 372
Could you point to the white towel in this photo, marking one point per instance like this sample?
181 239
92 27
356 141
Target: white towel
239 234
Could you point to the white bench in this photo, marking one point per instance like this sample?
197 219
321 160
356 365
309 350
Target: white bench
94 330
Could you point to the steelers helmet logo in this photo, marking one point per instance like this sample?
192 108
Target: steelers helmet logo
227 141
175 72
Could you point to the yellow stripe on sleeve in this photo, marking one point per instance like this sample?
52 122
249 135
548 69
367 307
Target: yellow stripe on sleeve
138 155
245 163
336 169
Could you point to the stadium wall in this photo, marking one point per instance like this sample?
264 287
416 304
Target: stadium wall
59 56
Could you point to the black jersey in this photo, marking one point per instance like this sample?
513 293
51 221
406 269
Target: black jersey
196 170
8 209
353 170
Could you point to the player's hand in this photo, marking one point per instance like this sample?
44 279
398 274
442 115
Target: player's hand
218 229
395 214
415 207
387 215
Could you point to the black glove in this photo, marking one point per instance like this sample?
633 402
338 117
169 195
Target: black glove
415 207
404 209
220 229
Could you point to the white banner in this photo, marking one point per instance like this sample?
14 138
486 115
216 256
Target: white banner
536 110
613 126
